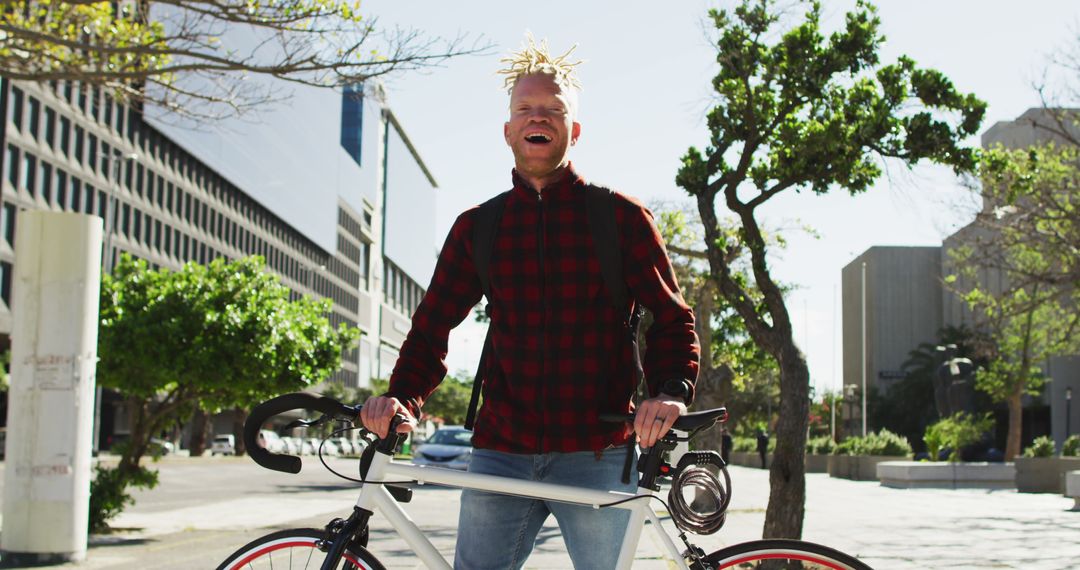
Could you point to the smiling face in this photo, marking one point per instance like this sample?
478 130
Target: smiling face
541 128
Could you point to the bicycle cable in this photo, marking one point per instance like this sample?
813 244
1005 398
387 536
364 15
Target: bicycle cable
346 477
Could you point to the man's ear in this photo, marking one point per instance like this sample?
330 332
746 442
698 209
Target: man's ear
575 132
506 132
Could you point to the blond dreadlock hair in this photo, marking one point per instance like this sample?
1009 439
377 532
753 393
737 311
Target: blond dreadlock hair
535 58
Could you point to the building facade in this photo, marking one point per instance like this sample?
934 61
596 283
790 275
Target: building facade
319 203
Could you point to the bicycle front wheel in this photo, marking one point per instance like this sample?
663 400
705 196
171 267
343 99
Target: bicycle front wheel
782 553
294 548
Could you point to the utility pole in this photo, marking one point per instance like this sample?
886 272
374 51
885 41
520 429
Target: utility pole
864 348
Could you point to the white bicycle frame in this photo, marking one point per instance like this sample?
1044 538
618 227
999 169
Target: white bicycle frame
375 498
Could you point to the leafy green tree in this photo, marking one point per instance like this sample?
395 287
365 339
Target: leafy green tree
1016 268
450 401
220 336
797 110
172 53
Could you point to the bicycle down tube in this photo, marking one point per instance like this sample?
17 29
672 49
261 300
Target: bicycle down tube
376 498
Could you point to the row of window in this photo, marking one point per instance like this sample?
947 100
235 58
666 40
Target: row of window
399 290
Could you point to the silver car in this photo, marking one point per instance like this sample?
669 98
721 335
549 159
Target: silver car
449 446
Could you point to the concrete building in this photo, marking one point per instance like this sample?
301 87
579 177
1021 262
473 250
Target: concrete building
329 190
902 299
907 304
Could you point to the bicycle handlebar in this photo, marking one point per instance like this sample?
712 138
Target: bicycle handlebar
280 405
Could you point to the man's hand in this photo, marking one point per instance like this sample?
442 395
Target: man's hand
655 417
379 410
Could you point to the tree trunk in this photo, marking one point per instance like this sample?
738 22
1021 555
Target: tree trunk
239 416
1016 411
787 476
137 444
200 430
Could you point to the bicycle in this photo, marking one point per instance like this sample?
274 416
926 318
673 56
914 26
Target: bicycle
345 540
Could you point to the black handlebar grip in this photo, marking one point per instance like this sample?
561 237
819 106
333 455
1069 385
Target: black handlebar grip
280 405
616 418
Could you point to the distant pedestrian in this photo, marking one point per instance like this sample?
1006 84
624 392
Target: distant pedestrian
762 445
726 444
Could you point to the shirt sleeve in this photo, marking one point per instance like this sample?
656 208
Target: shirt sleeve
453 292
672 350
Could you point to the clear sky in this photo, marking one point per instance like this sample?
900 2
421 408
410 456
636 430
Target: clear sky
646 91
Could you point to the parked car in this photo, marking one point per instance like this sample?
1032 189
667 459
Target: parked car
328 447
346 446
223 444
160 446
449 446
272 442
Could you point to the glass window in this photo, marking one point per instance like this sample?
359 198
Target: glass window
95 103
50 127
16 112
76 194
107 118
139 181
29 173
65 135
106 155
125 220
176 243
11 165
33 119
9 223
5 282
157 234
92 154
169 197
119 120
129 171
80 135
136 225
82 97
69 91
61 189
89 193
102 204
46 182
168 240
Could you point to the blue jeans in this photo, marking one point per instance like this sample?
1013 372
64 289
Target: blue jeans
497 532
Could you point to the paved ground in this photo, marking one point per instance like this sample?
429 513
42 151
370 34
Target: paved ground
196 518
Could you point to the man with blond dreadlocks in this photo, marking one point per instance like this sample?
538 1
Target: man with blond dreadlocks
559 352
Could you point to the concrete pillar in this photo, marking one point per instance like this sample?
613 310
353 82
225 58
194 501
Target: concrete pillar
51 400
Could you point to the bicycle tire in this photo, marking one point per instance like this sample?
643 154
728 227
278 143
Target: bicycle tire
773 553
296 544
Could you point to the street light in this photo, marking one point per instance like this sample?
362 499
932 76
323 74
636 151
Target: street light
1068 409
849 394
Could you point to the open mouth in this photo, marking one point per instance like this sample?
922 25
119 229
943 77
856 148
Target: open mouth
537 138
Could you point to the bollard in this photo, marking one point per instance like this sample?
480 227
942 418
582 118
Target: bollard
51 399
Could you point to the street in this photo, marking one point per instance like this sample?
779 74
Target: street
204 508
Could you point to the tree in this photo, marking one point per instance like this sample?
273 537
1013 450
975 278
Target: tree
1017 268
219 336
198 58
806 112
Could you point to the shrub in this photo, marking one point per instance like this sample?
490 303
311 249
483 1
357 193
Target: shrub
744 444
109 493
954 432
884 442
823 445
1071 447
1043 446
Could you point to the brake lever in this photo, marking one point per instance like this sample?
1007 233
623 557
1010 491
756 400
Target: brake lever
306 424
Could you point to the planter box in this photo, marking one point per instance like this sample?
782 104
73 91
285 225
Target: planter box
1072 487
1043 474
749 459
856 467
943 475
817 463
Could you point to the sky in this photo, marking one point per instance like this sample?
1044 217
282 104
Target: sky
646 91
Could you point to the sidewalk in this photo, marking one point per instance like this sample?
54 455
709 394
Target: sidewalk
887 528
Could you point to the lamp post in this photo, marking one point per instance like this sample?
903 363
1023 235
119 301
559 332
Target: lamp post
864 349
1068 410
849 395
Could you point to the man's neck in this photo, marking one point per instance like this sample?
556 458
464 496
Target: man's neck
539 182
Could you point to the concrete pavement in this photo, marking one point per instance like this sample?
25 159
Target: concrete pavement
887 528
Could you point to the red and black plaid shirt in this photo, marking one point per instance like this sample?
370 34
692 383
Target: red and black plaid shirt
562 353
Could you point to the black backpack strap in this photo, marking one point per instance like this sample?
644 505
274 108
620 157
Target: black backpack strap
600 208
485 226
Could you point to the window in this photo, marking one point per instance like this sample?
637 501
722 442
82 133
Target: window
157 234
11 165
80 134
50 127
108 111
16 112
88 204
65 135
29 173
136 225
5 282
129 171
119 120
106 156
176 243
46 182
352 120
139 181
168 240
9 223
33 119
169 197
76 195
61 189
92 154
125 220
102 205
